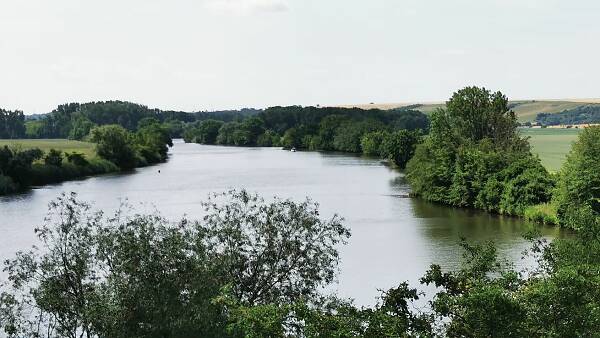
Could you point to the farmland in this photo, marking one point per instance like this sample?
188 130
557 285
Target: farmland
64 145
551 144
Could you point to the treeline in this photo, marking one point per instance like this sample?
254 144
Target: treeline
386 133
252 268
75 120
475 157
116 147
579 115
12 124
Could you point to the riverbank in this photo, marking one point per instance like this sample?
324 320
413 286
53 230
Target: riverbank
393 238
27 163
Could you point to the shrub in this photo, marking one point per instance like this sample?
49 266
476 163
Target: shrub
544 213
77 159
7 185
54 157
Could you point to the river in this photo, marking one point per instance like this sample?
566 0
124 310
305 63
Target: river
393 238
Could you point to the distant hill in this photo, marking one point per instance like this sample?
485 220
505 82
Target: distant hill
526 110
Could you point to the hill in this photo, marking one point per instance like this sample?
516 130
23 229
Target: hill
526 110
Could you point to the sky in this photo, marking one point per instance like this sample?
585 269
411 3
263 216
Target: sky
227 54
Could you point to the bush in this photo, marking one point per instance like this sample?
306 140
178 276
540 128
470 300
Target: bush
542 213
54 157
7 186
77 159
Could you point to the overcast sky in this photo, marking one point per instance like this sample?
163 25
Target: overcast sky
216 54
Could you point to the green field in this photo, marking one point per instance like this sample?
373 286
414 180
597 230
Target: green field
58 144
552 145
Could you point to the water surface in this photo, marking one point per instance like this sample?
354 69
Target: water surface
393 238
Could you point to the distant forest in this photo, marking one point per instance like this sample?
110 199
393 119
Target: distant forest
579 115
76 120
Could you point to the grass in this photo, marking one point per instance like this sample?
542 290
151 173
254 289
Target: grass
64 145
552 145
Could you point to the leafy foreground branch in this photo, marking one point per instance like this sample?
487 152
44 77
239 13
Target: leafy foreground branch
254 268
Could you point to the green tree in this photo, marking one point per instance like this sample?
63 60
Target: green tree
475 157
80 128
371 143
399 146
579 184
113 143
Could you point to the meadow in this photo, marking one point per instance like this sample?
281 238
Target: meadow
551 144
45 145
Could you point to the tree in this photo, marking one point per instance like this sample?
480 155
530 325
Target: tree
152 141
371 143
272 252
80 128
348 136
12 124
399 146
133 275
205 132
113 143
578 188
475 157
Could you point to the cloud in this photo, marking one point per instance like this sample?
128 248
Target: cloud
248 6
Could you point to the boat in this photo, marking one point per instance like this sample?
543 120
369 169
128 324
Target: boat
293 150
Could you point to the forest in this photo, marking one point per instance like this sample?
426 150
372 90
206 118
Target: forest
390 134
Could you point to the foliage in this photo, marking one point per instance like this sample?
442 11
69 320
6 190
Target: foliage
578 193
152 141
252 268
204 132
399 146
348 135
140 276
332 129
12 124
16 165
113 143
370 143
19 169
475 157
77 159
80 128
54 157
542 213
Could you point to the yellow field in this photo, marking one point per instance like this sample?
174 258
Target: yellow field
526 110
59 144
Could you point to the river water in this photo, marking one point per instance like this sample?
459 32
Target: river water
394 238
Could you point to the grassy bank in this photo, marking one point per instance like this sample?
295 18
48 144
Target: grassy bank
37 162
552 145
69 146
